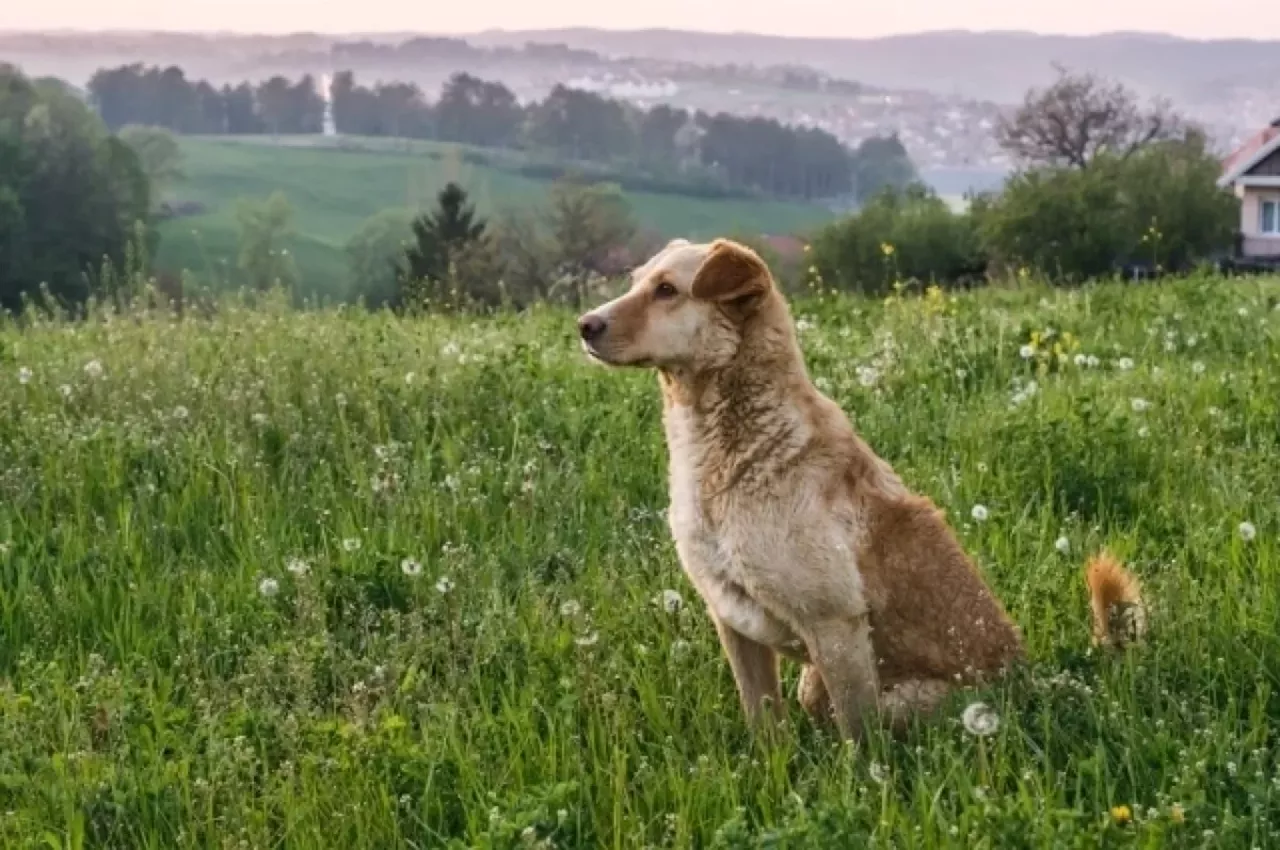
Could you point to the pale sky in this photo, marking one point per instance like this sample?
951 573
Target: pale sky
837 18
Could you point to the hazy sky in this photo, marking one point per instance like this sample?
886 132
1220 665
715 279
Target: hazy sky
1226 18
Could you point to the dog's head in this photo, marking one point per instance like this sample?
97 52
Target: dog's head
686 308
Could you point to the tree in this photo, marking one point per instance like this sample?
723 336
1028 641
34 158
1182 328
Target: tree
264 225
374 256
477 112
158 152
439 237
590 225
1081 116
879 163
71 195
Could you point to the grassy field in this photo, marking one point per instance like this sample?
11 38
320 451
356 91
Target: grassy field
334 579
333 191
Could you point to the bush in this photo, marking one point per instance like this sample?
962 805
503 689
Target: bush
374 255
907 236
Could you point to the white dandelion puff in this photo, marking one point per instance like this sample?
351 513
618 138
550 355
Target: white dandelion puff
588 639
1080 360
1247 532
65 390
1026 352
979 513
1092 361
1125 363
878 772
1197 368
411 567
1063 545
93 369
1139 405
259 419
671 601
269 587
444 585
980 719
351 544
24 375
570 608
180 413
297 566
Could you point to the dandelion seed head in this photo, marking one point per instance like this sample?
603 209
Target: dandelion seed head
1063 545
411 567
268 587
980 719
1125 363
979 513
1247 532
444 585
297 566
93 369
24 375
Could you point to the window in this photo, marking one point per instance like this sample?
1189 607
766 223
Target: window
1269 218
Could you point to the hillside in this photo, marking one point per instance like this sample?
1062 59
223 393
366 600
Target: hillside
334 190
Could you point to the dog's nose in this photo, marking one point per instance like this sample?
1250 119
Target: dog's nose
590 327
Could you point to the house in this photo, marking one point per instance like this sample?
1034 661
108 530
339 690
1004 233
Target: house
1253 173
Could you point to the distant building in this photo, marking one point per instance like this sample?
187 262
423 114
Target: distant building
1252 171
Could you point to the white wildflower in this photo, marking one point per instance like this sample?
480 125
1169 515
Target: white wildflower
1063 545
1247 532
340 399
93 369
351 544
868 376
679 648
1197 368
1026 352
24 375
1080 360
570 608
1139 405
1125 363
979 513
269 587
980 719
1092 361
878 772
588 639
297 566
409 376
180 413
411 567
444 585
1144 432
804 324
65 390
1242 312
259 419
671 601
450 349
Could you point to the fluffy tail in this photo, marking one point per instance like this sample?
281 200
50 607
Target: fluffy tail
1119 615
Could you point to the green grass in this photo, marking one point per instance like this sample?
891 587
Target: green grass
333 191
524 686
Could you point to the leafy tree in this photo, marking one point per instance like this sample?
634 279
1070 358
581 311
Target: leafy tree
157 151
590 225
71 195
440 236
581 125
374 256
881 163
264 226
477 112
1081 116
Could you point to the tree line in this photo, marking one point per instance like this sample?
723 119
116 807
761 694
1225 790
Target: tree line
748 153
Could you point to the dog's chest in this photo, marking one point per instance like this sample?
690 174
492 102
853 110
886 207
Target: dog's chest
724 559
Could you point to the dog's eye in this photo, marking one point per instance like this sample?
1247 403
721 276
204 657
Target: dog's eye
664 290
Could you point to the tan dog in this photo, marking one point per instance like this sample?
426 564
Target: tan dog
799 538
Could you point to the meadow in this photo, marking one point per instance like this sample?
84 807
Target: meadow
334 189
276 578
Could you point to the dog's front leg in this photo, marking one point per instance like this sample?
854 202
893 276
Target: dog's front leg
755 668
842 652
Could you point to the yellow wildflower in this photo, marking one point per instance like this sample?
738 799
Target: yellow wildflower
1177 814
1121 814
887 249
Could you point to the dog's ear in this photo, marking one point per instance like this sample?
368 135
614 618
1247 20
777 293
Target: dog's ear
731 273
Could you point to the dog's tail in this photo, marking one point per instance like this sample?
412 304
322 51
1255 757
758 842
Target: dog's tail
1119 614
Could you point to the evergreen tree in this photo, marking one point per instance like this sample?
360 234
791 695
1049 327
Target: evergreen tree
439 236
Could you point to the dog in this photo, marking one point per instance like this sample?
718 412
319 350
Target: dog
801 541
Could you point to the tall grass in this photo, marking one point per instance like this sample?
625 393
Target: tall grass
333 579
